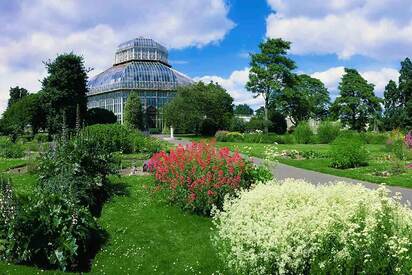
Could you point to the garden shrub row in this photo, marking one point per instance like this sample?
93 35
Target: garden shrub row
294 227
199 176
303 134
118 138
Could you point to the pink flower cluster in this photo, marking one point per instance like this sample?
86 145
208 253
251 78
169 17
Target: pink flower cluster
408 139
199 175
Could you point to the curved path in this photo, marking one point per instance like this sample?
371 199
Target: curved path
283 171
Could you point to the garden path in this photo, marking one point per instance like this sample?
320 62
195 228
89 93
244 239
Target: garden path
282 171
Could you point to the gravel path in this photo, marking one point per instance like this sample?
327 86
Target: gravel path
283 171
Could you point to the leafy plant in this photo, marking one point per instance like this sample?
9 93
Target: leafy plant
348 153
198 176
328 131
8 149
303 133
294 227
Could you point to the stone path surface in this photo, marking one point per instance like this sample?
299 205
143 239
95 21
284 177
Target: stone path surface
283 171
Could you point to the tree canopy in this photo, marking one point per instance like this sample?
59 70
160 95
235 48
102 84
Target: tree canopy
199 104
306 98
356 105
270 71
16 93
25 113
64 92
243 109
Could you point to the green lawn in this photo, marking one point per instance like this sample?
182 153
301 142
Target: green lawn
146 235
366 173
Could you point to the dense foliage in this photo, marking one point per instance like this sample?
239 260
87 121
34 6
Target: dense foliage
297 228
303 133
8 149
270 71
199 176
25 114
133 112
356 105
348 152
64 92
118 138
306 99
243 110
55 226
198 105
328 131
16 93
100 116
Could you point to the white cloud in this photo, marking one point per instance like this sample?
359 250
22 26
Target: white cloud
37 30
379 78
235 85
378 29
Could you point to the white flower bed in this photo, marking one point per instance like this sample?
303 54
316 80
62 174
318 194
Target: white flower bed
297 228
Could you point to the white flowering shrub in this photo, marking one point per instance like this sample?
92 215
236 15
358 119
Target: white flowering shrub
294 227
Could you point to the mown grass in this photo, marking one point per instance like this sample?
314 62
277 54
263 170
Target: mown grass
376 162
146 235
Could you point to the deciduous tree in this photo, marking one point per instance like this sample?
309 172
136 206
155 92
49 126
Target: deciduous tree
356 105
270 71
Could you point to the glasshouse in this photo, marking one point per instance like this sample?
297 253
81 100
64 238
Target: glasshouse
140 65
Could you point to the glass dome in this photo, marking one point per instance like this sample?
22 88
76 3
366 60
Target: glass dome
141 65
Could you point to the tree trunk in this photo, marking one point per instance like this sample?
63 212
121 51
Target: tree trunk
266 115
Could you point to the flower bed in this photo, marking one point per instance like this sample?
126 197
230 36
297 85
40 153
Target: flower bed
198 176
298 228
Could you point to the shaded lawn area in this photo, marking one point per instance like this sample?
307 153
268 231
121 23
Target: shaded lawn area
322 165
6 164
146 235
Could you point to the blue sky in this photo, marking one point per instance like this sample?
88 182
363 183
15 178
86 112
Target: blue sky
208 39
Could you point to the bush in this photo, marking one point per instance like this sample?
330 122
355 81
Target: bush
328 131
79 168
112 137
298 228
288 139
221 136
8 149
237 125
348 153
254 137
374 137
199 176
208 127
51 231
118 138
303 133
100 116
41 138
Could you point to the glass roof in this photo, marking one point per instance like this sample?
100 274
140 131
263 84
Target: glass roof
141 49
138 75
142 64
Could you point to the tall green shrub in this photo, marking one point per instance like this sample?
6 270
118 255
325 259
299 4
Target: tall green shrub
348 153
303 133
133 113
328 131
